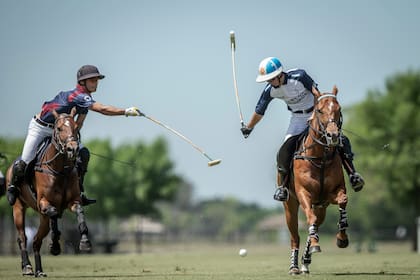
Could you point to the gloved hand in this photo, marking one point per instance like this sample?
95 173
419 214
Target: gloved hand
133 111
246 131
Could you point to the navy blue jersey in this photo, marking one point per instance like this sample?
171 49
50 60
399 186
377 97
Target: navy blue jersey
65 101
296 91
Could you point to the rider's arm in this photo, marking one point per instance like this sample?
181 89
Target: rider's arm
79 121
107 109
254 120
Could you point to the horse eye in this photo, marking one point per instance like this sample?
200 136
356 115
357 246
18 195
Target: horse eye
319 111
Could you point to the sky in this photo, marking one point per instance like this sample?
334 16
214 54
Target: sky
172 59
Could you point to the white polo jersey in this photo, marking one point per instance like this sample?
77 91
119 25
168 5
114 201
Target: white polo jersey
296 92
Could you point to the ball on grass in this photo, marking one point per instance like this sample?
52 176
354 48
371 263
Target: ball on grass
243 252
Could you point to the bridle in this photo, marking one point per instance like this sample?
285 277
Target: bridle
326 139
62 148
60 144
321 137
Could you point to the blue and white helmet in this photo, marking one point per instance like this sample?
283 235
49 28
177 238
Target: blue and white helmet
269 68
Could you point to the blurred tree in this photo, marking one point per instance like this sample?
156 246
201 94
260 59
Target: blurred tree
129 179
388 151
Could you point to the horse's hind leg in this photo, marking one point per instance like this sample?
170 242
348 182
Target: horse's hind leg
342 238
84 245
55 248
291 209
19 220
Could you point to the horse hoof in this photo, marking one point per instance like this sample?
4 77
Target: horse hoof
85 245
294 271
27 270
304 269
55 250
342 243
40 274
315 249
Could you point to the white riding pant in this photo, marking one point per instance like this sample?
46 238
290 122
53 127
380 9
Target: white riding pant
36 133
298 123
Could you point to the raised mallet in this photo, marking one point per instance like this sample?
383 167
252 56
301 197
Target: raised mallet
211 161
233 48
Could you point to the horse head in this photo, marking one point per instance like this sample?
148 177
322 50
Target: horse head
327 112
65 136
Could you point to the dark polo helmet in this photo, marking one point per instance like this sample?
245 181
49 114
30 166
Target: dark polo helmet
88 71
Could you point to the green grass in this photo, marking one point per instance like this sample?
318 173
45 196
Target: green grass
205 262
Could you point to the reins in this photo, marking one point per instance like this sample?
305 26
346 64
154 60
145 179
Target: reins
59 147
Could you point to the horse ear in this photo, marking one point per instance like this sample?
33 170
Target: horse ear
316 92
335 90
73 112
54 112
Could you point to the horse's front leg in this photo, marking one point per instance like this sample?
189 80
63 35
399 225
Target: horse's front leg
85 244
19 220
342 238
312 221
291 208
43 230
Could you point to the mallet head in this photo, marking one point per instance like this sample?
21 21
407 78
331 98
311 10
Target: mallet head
214 162
232 39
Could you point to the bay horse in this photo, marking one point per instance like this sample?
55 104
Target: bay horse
49 189
317 179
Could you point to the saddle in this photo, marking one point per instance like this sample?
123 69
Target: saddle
32 165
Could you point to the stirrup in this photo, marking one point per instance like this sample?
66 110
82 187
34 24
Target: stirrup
281 194
356 181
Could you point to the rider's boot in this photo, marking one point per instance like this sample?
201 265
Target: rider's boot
18 174
282 191
82 164
356 180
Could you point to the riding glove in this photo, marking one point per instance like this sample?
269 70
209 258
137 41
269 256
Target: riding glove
246 131
133 111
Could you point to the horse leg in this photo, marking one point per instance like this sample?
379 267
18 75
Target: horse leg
306 257
291 208
312 220
43 230
312 245
84 245
50 211
342 238
55 248
19 220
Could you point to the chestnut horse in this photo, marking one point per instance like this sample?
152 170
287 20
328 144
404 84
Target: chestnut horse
51 188
317 179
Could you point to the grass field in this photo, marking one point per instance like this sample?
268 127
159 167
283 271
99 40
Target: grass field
205 262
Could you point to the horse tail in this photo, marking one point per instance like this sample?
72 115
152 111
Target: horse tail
2 184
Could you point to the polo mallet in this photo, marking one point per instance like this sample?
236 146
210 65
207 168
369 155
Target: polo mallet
211 161
233 48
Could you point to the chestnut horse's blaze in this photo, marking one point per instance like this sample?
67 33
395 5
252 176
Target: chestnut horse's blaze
317 180
55 183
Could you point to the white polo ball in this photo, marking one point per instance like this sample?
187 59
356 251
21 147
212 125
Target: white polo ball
243 252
